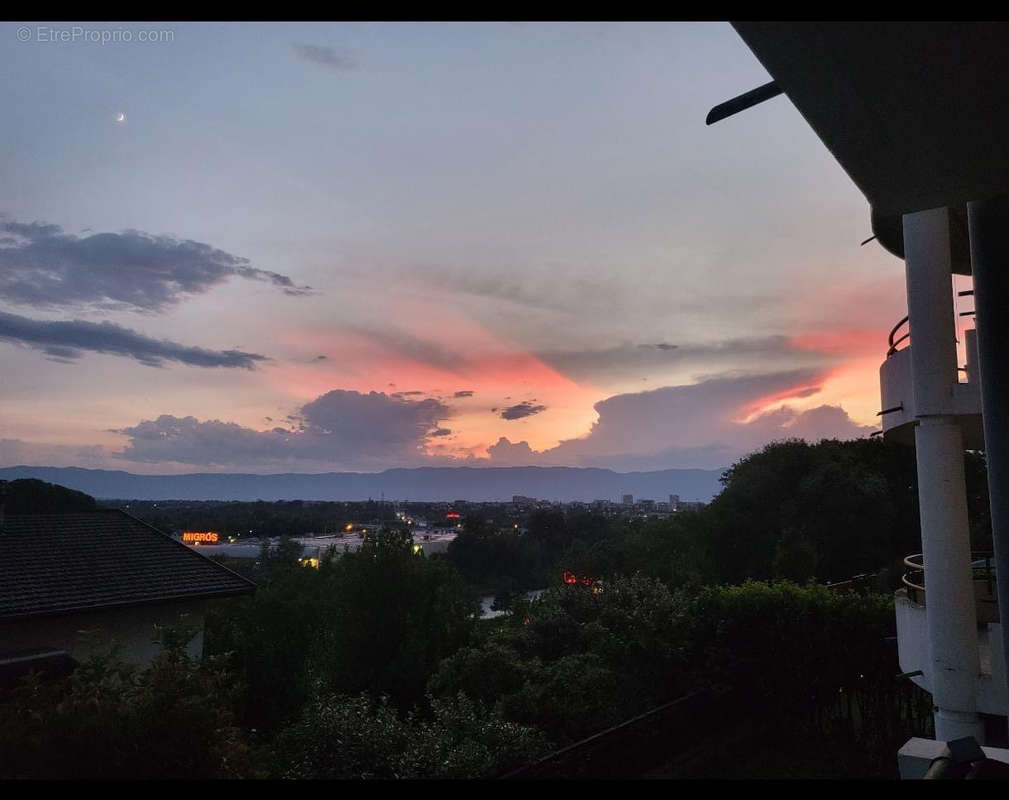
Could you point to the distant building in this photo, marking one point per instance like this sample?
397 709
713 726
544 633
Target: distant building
674 502
628 499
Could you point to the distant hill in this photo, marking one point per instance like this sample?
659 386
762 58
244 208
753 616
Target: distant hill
424 484
31 496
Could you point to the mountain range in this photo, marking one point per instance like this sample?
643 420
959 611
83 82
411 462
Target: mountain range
564 484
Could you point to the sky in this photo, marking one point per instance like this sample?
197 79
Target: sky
311 247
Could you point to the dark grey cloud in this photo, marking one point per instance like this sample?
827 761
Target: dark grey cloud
339 428
464 393
42 266
524 409
326 56
319 358
373 418
627 360
68 341
660 346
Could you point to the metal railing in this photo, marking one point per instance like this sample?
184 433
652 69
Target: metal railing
641 743
984 583
892 342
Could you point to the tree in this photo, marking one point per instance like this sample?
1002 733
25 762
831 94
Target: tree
395 614
271 639
577 661
31 496
550 529
111 720
493 562
854 504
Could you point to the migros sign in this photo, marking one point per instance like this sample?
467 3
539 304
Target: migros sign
196 537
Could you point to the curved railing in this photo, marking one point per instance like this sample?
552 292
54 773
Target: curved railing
984 583
894 342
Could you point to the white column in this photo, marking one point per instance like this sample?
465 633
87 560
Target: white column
942 495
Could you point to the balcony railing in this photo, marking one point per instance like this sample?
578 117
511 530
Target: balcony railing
894 342
983 568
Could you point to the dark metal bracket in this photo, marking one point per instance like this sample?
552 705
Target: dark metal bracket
743 102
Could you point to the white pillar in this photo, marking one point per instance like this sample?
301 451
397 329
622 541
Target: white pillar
942 494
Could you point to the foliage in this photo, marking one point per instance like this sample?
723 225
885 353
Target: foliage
269 638
31 496
809 655
676 550
340 736
574 661
392 615
110 719
829 510
466 739
379 619
550 529
337 736
256 519
495 562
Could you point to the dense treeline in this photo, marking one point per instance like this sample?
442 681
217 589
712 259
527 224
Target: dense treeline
31 496
375 665
256 519
793 511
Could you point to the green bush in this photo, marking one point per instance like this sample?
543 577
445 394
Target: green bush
576 661
339 736
810 656
110 719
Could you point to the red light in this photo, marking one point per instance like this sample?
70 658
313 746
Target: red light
452 515
571 579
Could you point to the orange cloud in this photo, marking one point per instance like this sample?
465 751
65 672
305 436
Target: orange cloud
439 357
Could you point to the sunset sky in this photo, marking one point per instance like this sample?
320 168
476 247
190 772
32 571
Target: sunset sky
358 246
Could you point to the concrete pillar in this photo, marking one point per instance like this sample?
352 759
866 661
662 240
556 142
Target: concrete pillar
942 494
970 340
988 221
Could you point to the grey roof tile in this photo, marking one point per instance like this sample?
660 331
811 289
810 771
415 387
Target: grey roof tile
59 563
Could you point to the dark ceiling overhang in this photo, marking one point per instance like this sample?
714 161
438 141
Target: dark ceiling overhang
916 113
889 232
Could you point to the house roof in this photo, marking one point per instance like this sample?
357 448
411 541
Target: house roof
915 112
62 563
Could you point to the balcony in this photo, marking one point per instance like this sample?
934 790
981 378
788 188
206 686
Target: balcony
985 596
912 631
899 414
